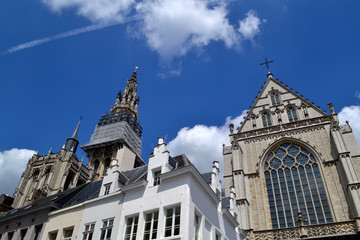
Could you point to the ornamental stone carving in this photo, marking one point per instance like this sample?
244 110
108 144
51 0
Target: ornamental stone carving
314 231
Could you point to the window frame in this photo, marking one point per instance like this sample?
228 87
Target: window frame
52 234
106 228
65 231
154 225
88 231
266 118
156 177
294 183
174 219
275 98
197 225
292 114
134 227
107 188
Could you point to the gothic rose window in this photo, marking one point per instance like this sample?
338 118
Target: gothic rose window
266 119
294 184
292 115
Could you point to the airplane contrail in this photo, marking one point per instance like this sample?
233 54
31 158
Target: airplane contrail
59 36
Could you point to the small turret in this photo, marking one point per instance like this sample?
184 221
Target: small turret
73 142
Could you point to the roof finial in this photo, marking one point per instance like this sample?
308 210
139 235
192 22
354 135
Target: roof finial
75 134
136 68
267 63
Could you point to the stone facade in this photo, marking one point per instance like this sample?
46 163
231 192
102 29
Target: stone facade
116 136
284 157
51 173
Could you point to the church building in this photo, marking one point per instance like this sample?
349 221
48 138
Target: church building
117 135
295 169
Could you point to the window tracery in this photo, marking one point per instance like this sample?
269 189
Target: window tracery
275 98
294 184
266 119
292 114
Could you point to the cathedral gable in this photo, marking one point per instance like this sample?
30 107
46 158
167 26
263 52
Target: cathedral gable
278 104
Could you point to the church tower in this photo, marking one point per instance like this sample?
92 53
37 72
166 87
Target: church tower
295 169
117 135
51 173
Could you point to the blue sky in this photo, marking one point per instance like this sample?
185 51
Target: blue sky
198 68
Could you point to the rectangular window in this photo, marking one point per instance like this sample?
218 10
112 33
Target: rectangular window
217 236
106 229
151 225
157 178
197 222
172 221
53 235
68 233
107 189
131 228
89 231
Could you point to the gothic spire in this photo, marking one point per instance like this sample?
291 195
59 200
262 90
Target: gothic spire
127 102
72 142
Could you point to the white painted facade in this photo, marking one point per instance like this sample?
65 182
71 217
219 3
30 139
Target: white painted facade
182 187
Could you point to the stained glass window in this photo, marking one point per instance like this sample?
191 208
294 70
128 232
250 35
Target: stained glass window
294 184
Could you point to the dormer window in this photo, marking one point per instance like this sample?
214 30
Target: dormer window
107 189
292 115
275 98
266 119
157 178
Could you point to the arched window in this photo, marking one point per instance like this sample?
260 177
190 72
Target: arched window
266 119
96 165
292 115
275 98
294 184
106 165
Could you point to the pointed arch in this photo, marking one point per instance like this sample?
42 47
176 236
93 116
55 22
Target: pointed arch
293 181
275 97
266 118
292 113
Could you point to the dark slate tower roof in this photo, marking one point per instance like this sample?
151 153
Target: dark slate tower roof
73 142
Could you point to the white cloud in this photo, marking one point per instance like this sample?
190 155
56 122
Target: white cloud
95 10
173 27
12 165
170 27
250 26
351 114
203 144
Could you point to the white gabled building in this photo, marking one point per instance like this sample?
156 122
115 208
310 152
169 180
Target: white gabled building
168 199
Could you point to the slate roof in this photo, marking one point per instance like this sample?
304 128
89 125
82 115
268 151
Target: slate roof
52 202
225 202
90 191
60 200
182 160
207 177
133 175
